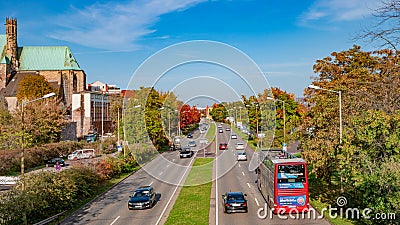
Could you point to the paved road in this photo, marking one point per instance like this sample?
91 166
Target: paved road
166 172
235 176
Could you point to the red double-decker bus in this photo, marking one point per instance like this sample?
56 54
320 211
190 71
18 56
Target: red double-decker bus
283 181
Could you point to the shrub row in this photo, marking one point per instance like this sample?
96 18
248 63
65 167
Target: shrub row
10 160
49 193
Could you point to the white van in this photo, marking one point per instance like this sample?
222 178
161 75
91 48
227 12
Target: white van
81 154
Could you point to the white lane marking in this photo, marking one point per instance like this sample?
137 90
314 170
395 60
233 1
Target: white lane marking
243 173
257 202
153 181
239 165
161 173
248 185
173 160
114 220
168 165
173 193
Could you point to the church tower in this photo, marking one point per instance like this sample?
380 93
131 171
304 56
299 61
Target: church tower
11 45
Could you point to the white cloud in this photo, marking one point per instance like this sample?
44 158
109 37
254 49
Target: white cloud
338 11
115 26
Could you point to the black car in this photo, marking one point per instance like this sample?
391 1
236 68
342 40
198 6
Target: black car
53 162
190 135
234 202
186 153
142 198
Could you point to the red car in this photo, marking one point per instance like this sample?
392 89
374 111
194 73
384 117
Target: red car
223 146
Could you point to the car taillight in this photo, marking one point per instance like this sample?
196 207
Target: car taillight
245 204
226 204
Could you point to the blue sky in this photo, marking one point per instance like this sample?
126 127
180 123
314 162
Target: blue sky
111 39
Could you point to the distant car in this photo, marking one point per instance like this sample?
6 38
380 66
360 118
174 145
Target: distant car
192 144
228 129
239 146
223 146
186 153
241 156
234 202
189 135
91 137
220 131
142 198
53 162
82 154
233 136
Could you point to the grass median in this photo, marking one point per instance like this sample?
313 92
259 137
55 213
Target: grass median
193 203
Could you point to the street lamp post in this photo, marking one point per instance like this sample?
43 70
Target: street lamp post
284 117
340 108
23 133
340 119
240 113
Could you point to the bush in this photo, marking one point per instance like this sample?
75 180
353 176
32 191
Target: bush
10 162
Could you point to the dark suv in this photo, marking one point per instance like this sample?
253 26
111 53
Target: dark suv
142 198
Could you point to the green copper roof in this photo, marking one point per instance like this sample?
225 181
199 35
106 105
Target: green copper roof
3 59
47 58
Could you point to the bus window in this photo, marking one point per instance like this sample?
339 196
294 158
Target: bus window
291 173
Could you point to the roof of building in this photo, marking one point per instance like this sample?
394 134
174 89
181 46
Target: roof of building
33 58
12 87
3 58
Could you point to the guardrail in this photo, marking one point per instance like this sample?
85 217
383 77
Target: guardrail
50 219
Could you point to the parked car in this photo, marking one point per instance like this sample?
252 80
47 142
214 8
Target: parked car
54 161
142 198
234 202
82 154
239 146
186 153
233 136
241 156
192 144
223 146
91 137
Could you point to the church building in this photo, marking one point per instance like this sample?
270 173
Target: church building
55 63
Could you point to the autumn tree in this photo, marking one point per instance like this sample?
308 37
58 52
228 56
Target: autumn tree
43 120
369 86
32 87
218 112
287 120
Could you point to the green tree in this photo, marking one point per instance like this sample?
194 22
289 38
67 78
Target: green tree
218 112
